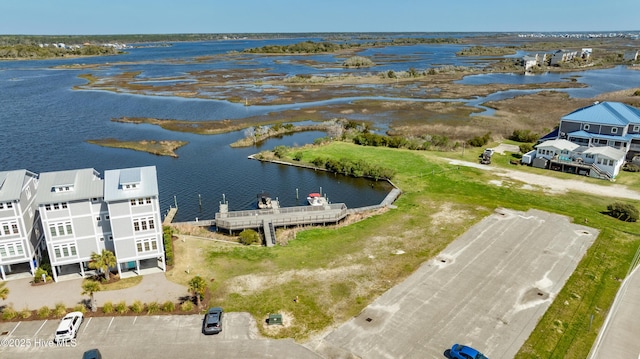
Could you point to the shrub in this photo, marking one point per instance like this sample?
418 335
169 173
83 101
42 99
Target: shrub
357 62
186 306
280 151
526 147
80 308
636 93
168 245
121 307
137 307
26 313
8 313
297 156
38 274
480 141
249 236
524 136
107 308
153 307
44 312
60 310
631 167
168 306
623 211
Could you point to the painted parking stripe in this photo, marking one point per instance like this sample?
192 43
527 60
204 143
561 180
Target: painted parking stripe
87 325
14 328
39 329
109 326
134 320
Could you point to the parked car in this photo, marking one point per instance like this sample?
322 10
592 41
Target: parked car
459 351
92 354
68 327
212 322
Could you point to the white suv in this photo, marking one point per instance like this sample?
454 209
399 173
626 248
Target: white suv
68 327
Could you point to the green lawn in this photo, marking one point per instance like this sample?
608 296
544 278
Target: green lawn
335 272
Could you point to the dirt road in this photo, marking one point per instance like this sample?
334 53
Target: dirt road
555 185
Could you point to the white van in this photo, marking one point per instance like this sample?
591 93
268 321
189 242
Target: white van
68 327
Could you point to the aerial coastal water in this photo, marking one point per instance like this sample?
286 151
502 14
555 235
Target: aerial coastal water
46 122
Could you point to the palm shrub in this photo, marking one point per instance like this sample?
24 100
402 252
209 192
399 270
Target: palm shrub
103 261
198 286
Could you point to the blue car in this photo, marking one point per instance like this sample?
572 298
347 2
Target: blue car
459 351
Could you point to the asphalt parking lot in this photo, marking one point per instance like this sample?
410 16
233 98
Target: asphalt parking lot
147 337
487 289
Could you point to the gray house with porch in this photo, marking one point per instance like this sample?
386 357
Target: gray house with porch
74 218
20 232
131 196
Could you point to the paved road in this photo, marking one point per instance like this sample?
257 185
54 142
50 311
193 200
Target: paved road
487 289
148 337
618 337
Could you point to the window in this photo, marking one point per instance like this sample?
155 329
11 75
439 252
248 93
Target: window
586 127
148 200
143 224
11 250
614 130
60 229
65 250
9 204
64 205
9 228
146 245
47 207
133 202
636 128
56 206
1 205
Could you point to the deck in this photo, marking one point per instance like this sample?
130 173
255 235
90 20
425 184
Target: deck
281 217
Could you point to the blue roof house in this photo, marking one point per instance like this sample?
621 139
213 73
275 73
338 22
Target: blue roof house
595 140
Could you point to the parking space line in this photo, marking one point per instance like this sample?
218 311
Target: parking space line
87 325
14 329
109 326
39 329
134 320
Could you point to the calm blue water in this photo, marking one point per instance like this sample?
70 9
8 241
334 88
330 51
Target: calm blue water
46 123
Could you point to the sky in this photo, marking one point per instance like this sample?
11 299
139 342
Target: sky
99 17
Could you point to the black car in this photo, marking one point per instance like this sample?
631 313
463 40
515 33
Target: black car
92 354
212 323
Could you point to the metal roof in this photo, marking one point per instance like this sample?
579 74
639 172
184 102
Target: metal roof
585 134
605 113
606 151
561 144
11 183
82 184
142 182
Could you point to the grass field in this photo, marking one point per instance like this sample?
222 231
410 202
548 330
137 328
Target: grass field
337 271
